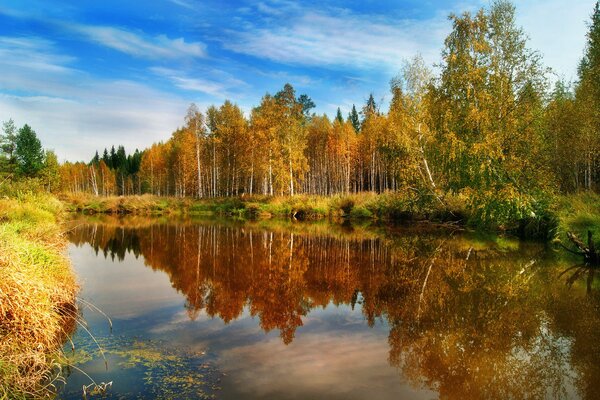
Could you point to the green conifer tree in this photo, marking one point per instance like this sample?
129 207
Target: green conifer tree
28 152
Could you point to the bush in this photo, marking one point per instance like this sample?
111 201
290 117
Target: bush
529 216
360 212
346 205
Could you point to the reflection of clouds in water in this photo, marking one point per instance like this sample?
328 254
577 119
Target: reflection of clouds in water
332 364
122 289
453 329
245 328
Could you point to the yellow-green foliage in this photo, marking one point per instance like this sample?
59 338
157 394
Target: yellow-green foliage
580 213
403 205
37 294
144 204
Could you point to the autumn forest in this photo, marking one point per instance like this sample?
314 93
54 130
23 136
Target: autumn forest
490 122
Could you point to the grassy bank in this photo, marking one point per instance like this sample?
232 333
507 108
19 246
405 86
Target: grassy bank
37 295
525 219
386 206
579 213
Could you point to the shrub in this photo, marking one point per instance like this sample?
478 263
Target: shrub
360 212
529 216
346 205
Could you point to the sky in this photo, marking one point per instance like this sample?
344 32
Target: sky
89 74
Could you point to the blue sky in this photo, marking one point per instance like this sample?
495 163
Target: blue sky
89 74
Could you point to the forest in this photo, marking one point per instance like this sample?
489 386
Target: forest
490 126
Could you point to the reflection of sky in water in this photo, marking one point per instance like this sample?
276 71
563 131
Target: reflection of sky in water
487 319
334 354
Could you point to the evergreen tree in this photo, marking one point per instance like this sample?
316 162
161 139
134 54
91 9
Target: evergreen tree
354 119
112 164
105 157
371 106
307 104
339 116
28 152
121 158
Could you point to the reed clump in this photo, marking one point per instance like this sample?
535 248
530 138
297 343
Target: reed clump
37 295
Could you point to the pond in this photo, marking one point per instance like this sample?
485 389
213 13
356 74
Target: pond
277 309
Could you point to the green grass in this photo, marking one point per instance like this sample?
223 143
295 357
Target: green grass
37 294
579 213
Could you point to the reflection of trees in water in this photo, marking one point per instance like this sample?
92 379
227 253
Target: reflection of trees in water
466 323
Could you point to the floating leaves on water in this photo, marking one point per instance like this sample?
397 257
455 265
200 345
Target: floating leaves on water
162 372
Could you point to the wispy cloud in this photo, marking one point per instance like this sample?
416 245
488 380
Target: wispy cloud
324 359
194 84
322 39
183 3
140 45
33 53
219 86
73 112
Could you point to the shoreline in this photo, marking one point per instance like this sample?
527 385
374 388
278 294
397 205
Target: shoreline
389 207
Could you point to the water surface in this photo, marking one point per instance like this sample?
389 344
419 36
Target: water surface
275 309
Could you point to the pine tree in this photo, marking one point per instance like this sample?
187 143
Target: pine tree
371 106
354 119
339 116
105 157
307 104
113 158
28 152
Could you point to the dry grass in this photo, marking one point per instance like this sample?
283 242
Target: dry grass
144 204
386 206
37 295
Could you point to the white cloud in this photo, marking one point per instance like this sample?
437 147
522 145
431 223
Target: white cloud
218 87
358 41
32 53
157 47
340 38
183 3
74 113
326 360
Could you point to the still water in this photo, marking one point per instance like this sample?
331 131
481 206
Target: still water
283 310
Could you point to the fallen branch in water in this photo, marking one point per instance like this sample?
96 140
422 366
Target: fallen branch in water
589 252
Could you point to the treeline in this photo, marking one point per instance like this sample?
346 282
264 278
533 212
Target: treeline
487 127
116 172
